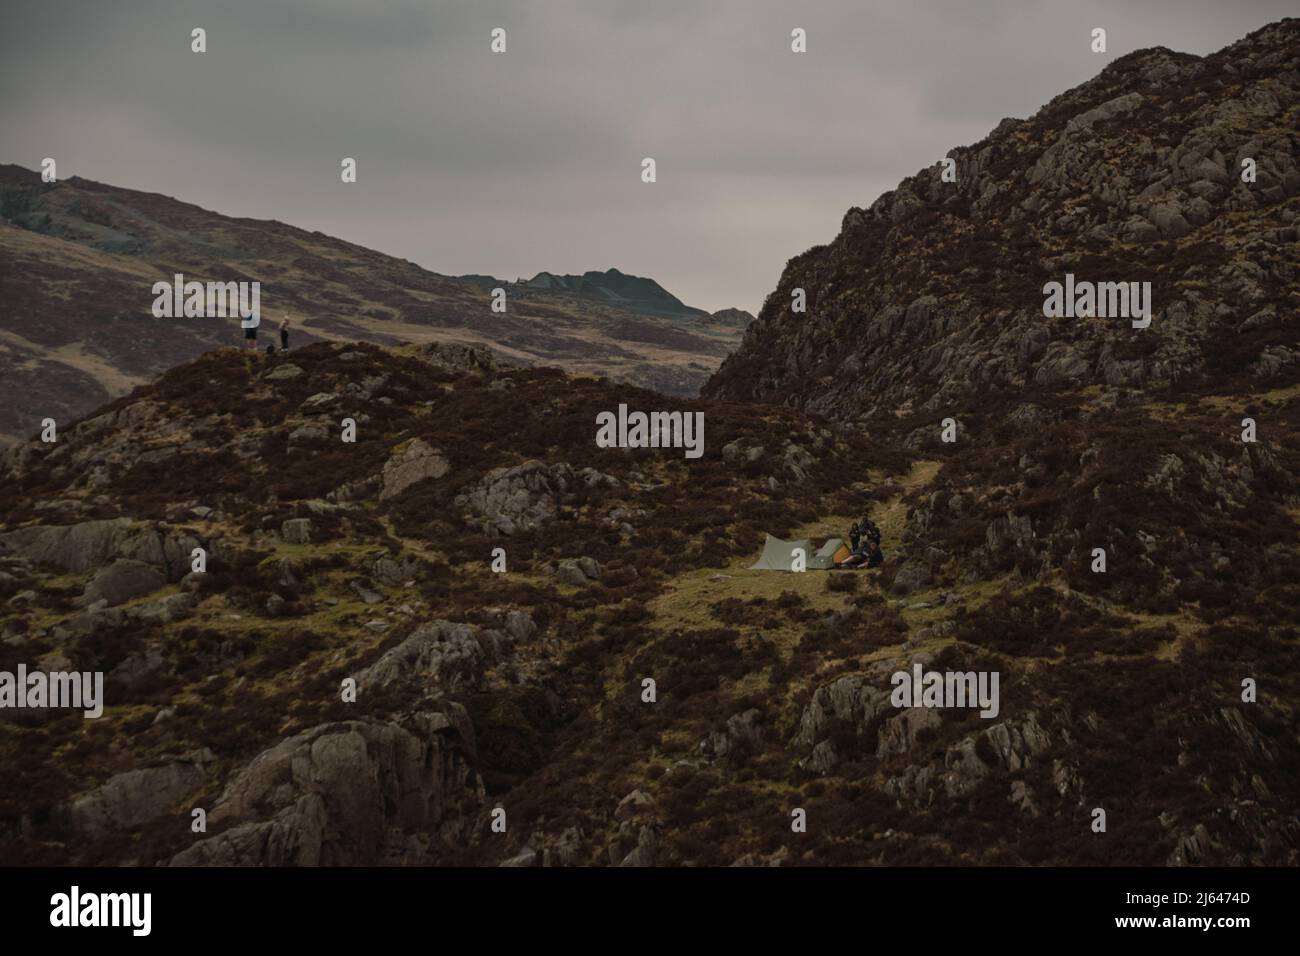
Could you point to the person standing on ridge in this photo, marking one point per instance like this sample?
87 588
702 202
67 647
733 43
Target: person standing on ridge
284 333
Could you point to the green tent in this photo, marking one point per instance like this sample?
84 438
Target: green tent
824 559
778 555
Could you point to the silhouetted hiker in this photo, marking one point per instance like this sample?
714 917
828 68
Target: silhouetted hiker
284 334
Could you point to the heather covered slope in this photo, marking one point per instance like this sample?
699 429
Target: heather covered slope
78 260
326 555
524 689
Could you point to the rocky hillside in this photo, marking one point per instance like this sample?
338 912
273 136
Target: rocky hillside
1159 686
523 689
372 561
931 300
80 259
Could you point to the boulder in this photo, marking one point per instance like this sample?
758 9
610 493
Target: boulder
285 373
1138 229
308 435
521 498
849 698
366 594
1016 743
822 760
318 401
1062 364
121 581
22 598
414 463
140 665
797 462
439 654
91 621
744 733
88 545
137 796
519 625
579 571
646 850
1169 219
164 547
173 607
390 571
635 803
912 576
1009 531
565 850
1197 211
898 735
76 548
746 728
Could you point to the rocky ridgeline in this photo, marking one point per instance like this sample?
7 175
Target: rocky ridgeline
931 299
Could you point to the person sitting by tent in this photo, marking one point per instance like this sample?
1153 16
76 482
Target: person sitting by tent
864 538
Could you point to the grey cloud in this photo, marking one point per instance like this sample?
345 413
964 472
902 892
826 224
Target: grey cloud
529 161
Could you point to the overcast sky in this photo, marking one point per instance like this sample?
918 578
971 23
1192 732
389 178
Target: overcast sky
512 163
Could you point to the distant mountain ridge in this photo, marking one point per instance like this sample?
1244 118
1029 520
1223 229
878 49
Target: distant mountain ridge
80 258
618 290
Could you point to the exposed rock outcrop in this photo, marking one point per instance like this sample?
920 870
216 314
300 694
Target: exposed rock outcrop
137 796
525 497
348 794
416 462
